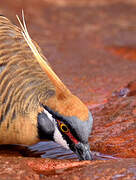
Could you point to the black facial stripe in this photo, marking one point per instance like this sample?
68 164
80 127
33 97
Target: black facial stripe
79 129
45 127
56 116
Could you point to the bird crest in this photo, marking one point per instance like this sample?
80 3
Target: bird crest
42 62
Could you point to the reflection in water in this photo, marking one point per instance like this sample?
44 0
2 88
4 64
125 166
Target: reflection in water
52 150
47 149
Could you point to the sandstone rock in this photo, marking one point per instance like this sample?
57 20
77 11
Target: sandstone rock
114 130
121 169
12 168
73 37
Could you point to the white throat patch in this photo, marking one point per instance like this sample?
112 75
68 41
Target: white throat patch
57 134
59 139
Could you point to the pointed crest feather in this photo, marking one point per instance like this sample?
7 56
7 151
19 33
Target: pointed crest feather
46 68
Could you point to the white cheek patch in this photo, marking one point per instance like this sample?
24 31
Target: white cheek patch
59 139
57 135
49 115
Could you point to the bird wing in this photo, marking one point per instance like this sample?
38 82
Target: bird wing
23 83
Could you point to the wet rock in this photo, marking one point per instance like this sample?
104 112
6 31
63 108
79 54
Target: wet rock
73 39
128 53
14 169
37 168
123 92
128 90
50 166
114 130
73 35
106 170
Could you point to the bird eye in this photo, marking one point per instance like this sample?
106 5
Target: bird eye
64 128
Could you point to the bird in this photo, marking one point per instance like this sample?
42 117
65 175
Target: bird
35 105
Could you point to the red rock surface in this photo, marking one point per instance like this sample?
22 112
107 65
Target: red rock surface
22 168
128 53
104 170
77 34
91 46
114 130
14 169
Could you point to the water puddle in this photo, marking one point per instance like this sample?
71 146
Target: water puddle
55 151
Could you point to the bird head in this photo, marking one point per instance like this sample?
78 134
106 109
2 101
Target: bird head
69 131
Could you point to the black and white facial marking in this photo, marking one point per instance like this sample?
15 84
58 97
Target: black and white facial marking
78 131
70 132
48 129
46 126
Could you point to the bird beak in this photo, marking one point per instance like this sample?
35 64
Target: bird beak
83 151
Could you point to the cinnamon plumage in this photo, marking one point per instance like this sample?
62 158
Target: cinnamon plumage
34 103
